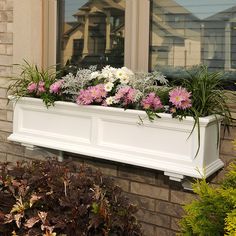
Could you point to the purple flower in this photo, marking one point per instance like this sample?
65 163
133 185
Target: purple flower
32 87
41 87
93 94
151 102
180 98
56 87
84 98
125 95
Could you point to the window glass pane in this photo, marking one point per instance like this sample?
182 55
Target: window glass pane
91 32
185 33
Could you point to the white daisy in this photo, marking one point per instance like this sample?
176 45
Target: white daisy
124 79
120 73
108 86
94 74
109 100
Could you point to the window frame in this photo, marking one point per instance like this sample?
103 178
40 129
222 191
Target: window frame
27 43
136 33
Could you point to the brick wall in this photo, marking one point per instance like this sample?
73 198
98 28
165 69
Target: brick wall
6 58
158 198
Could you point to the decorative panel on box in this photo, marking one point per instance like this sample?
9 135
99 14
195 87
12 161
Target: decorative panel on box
114 134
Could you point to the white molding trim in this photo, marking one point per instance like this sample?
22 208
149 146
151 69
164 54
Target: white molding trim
49 32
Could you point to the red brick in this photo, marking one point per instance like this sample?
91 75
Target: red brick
227 147
175 224
153 218
123 183
149 191
169 208
142 202
148 230
181 197
137 174
164 232
106 169
162 180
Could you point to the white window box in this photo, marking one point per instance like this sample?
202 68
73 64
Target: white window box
114 134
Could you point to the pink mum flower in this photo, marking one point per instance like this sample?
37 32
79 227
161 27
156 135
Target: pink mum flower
98 92
92 94
32 87
55 87
125 95
180 97
84 98
41 87
151 102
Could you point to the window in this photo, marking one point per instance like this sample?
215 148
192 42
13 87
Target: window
91 32
185 33
144 35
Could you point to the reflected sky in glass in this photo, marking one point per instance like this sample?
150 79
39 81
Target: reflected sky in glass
71 6
205 8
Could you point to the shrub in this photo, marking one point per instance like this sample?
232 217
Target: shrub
51 198
214 212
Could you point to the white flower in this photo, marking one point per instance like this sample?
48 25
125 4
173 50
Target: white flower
108 73
94 74
120 73
124 74
68 76
124 79
128 71
109 100
112 78
108 86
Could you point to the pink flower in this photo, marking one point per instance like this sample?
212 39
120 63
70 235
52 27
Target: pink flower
151 102
84 98
180 98
98 92
55 87
41 87
125 95
32 87
93 94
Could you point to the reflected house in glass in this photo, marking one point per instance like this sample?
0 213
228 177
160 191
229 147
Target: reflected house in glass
219 40
175 35
97 34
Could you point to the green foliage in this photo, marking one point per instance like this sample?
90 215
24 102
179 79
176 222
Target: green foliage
32 74
53 198
214 211
230 223
208 96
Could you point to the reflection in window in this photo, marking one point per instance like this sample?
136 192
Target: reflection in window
185 33
91 32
